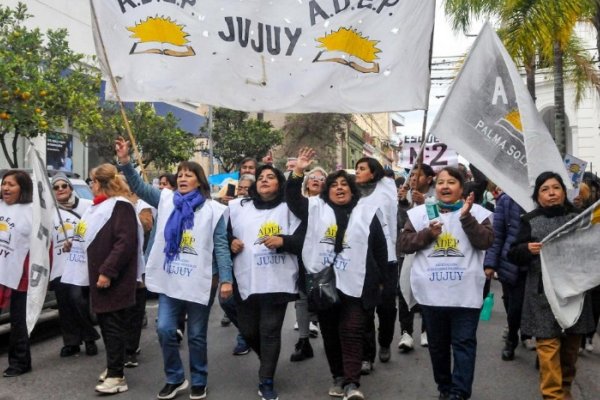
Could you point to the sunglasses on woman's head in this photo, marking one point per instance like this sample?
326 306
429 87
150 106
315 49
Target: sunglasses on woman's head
61 186
317 178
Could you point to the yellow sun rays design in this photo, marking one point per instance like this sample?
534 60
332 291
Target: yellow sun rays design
351 42
514 117
159 29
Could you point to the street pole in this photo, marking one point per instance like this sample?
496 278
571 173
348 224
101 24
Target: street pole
211 167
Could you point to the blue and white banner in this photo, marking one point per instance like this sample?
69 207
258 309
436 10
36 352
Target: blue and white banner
43 210
259 55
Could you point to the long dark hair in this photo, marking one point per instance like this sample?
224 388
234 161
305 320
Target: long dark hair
375 167
253 193
332 178
203 186
25 185
541 179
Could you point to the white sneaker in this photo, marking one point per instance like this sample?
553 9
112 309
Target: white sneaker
406 343
313 329
102 376
296 325
112 385
424 342
588 345
529 344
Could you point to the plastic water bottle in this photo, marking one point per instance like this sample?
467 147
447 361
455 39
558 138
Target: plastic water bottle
488 305
433 213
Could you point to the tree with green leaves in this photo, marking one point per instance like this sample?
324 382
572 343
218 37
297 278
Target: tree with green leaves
319 131
160 141
236 136
43 83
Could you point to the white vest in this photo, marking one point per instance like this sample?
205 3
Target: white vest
385 197
188 277
64 231
15 230
258 269
318 250
92 221
449 272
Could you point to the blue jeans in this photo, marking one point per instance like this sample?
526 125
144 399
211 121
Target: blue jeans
169 310
452 328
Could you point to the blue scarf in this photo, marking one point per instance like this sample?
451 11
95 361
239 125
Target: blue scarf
181 219
450 207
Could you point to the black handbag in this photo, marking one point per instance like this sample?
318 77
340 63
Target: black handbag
321 290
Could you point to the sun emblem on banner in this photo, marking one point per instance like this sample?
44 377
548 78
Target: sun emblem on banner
330 234
269 228
596 216
512 124
446 245
63 231
186 246
4 232
169 35
80 229
349 47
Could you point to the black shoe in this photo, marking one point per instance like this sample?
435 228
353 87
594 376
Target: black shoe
366 368
384 354
225 321
303 350
444 396
68 351
11 372
508 353
170 390
131 361
90 348
198 392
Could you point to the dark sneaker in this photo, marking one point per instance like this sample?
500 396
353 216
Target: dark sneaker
68 351
366 367
170 390
198 392
444 396
12 372
351 392
302 350
90 348
225 321
384 354
266 390
131 361
337 389
241 349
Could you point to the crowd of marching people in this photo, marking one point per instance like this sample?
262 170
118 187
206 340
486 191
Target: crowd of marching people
338 244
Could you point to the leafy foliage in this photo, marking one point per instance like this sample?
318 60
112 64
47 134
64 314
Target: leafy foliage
235 136
43 83
158 138
319 131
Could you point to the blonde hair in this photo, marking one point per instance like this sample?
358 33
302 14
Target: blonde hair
110 183
306 175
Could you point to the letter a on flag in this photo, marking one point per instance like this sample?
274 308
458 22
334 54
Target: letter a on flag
491 120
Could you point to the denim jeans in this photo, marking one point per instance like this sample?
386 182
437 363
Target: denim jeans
169 310
452 328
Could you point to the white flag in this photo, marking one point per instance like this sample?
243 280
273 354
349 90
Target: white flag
43 209
570 265
490 119
259 55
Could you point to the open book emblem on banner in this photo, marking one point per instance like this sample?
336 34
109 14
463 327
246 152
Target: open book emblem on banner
169 36
446 246
350 48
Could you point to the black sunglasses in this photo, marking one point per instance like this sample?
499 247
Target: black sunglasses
61 186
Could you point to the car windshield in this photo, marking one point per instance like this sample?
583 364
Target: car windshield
83 192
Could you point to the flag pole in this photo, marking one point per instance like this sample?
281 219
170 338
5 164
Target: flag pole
113 84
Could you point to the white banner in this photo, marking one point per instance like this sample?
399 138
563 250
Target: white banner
259 55
575 168
570 265
435 153
43 209
491 120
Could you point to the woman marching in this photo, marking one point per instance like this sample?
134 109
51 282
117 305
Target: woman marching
347 237
72 300
15 230
189 258
557 350
266 274
106 255
447 278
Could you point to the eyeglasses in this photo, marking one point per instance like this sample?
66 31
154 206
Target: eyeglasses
61 186
317 178
243 187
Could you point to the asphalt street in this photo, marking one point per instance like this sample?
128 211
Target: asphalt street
405 377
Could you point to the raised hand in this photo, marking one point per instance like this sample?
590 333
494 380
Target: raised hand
466 208
122 150
305 158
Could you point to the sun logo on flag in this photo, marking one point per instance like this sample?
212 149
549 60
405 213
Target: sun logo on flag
186 246
4 232
269 228
446 245
167 33
512 124
596 216
349 47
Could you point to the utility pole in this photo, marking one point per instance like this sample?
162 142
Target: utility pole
211 166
